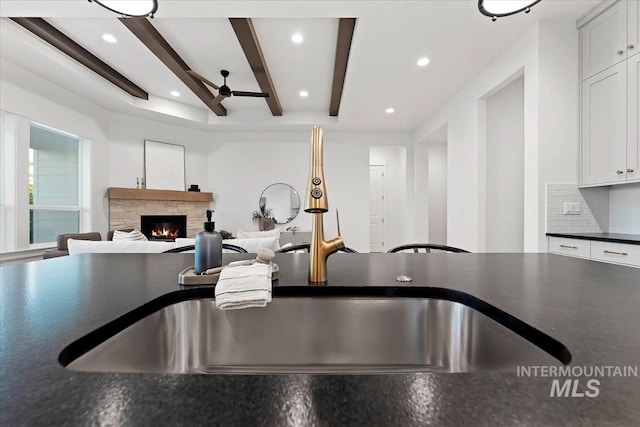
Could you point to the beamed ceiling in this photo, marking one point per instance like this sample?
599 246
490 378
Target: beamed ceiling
357 59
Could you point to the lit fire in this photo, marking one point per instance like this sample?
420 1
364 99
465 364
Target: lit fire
165 233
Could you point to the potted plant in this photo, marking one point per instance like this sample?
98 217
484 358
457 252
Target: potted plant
264 218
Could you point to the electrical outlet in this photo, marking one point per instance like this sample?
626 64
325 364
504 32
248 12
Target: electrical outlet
572 208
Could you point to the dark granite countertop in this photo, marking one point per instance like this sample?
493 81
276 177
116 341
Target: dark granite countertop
591 307
633 239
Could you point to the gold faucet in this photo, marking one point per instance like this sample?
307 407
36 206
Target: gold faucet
317 205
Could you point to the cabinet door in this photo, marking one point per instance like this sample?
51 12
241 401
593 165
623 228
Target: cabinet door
633 142
571 247
604 127
604 40
633 28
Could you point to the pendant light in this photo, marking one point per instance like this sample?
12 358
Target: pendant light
130 8
499 8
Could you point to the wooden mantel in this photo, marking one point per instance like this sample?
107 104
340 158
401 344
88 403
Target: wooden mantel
140 194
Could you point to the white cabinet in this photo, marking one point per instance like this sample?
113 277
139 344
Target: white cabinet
610 94
633 28
604 40
616 253
633 113
611 252
295 238
571 247
604 126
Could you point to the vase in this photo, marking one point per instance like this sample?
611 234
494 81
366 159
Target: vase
266 224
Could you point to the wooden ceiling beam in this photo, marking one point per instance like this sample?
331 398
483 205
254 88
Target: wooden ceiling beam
63 43
343 47
248 39
150 37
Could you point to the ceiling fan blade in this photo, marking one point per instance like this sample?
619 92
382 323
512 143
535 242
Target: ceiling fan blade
217 100
252 94
202 79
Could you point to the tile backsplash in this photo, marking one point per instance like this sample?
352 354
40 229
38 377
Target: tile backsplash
594 207
624 209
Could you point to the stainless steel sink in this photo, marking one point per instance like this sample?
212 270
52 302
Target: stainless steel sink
326 335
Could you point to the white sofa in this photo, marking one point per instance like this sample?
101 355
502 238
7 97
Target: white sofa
251 245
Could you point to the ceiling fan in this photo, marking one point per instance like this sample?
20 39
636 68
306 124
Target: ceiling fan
224 91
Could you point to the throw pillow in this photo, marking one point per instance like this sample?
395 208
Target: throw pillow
252 245
131 235
257 234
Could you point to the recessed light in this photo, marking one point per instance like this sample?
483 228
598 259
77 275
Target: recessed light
304 93
297 38
109 38
423 62
175 93
389 110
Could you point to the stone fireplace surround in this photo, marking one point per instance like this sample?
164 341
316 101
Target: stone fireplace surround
126 205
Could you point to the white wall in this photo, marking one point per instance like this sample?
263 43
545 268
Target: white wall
624 209
465 142
126 149
88 122
505 166
420 224
547 54
437 186
558 109
395 206
242 165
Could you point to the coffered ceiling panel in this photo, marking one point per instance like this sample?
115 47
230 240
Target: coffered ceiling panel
296 67
128 55
382 73
209 45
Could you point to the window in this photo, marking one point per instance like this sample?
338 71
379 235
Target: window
53 184
44 180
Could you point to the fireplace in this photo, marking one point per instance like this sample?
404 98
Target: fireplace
163 227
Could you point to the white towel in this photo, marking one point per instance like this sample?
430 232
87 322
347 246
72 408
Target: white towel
244 286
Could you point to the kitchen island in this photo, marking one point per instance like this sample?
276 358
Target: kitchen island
592 308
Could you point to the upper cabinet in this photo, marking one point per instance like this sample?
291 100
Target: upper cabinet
604 40
633 114
610 96
604 121
633 28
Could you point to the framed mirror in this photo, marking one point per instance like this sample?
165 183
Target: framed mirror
281 202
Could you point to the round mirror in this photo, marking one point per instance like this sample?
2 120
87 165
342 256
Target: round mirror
280 202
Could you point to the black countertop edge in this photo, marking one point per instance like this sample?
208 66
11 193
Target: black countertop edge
632 239
542 340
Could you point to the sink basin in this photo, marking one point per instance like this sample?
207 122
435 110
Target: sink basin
309 335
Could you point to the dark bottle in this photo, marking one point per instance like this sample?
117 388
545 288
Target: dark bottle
208 247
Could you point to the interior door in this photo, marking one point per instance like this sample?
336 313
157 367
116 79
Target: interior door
376 208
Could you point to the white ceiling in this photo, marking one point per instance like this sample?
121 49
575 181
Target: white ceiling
389 38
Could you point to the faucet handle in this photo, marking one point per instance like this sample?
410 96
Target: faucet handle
338 222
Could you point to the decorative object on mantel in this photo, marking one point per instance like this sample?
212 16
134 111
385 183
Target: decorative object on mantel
140 8
194 187
163 166
499 8
264 218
